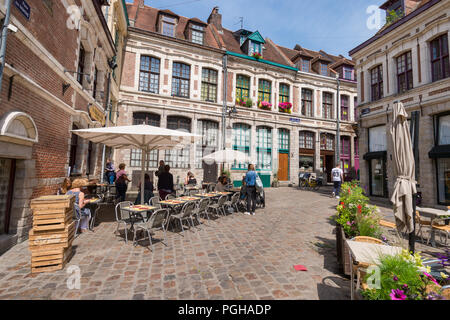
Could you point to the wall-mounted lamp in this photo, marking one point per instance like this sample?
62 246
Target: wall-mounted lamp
65 86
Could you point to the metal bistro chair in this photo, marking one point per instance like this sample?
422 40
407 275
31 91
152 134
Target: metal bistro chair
97 209
211 187
219 206
422 223
156 222
233 202
155 202
438 225
200 208
185 214
123 216
170 197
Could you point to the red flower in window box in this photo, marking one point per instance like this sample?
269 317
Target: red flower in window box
285 107
264 105
256 55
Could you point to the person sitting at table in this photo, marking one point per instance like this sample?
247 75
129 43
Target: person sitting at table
148 190
110 172
165 183
78 189
121 183
65 186
221 184
190 179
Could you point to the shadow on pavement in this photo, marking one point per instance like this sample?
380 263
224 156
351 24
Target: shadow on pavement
333 288
327 248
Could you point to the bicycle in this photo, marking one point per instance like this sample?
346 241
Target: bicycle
311 184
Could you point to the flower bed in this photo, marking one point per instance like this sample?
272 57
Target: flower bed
285 107
244 102
402 277
264 105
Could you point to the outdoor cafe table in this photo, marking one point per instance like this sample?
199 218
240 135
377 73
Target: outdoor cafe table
364 252
433 214
137 210
93 201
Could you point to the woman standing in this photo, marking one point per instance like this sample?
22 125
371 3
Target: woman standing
250 182
121 183
77 189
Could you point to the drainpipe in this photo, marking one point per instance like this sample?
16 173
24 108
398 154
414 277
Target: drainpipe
107 109
3 39
224 108
338 116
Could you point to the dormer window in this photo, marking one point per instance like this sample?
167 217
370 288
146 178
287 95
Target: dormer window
305 65
324 69
255 48
197 33
348 73
168 26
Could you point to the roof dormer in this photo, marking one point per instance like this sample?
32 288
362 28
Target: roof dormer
166 23
253 44
195 31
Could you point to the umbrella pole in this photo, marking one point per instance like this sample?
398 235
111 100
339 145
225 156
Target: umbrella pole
412 235
144 156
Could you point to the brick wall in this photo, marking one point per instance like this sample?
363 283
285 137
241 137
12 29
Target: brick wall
129 64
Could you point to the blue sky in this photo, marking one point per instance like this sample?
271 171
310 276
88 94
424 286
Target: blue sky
335 26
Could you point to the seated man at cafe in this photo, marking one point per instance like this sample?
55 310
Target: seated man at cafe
148 190
165 183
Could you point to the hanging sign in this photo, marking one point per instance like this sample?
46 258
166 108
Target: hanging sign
96 114
23 7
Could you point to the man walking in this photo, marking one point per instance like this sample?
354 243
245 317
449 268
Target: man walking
338 177
250 183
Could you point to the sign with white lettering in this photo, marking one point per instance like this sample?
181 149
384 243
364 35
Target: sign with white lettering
23 7
294 120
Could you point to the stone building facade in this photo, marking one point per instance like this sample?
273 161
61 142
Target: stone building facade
407 61
173 76
54 81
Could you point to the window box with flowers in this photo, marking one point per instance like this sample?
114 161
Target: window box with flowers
285 107
256 55
244 102
264 105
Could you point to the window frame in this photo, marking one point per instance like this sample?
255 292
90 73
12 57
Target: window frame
308 138
325 138
324 69
441 59
209 85
327 105
264 90
284 95
306 63
198 29
179 79
148 118
207 129
378 85
305 102
345 107
264 151
166 22
240 89
406 74
81 64
241 143
150 72
181 157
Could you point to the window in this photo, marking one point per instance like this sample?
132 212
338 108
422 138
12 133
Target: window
180 80
348 73
356 147
197 34
178 158
209 85
439 58
151 119
94 87
404 72
284 92
168 26
327 105
327 141
264 90
443 169
241 142
305 65
324 69
344 107
283 140
306 140
376 82
345 146
242 86
377 139
255 47
264 148
209 130
444 130
73 150
307 105
80 69
354 109
149 74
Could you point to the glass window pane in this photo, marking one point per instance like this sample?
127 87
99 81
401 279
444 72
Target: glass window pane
377 139
444 180
444 130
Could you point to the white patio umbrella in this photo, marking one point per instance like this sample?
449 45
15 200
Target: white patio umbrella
143 137
226 156
404 170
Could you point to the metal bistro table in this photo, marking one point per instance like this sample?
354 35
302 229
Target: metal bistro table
364 252
137 210
97 202
432 214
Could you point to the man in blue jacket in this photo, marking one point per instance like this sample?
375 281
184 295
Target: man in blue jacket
250 182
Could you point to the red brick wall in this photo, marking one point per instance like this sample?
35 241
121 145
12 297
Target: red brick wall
296 99
129 63
230 87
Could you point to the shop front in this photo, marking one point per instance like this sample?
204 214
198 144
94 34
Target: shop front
327 154
306 151
376 160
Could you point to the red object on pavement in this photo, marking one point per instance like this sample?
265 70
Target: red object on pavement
299 267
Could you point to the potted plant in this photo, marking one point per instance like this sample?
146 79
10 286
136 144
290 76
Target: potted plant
285 107
244 102
275 182
402 277
264 105
256 55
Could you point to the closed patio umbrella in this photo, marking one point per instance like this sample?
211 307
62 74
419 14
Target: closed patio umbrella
226 156
404 170
143 137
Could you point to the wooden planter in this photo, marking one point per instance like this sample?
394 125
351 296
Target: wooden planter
342 252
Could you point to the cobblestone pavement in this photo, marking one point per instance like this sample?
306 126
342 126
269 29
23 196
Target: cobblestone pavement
234 257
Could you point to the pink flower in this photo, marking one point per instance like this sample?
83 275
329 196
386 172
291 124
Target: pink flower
348 223
429 276
397 294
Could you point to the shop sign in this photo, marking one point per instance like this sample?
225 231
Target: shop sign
294 120
23 7
96 114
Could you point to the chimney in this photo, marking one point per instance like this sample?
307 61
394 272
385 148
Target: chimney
411 5
139 3
215 18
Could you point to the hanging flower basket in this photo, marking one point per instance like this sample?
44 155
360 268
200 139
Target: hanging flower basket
285 107
264 105
244 102
256 55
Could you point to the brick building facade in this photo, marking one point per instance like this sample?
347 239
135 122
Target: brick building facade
407 61
173 76
54 80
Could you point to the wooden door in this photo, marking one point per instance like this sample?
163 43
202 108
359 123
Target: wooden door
283 167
